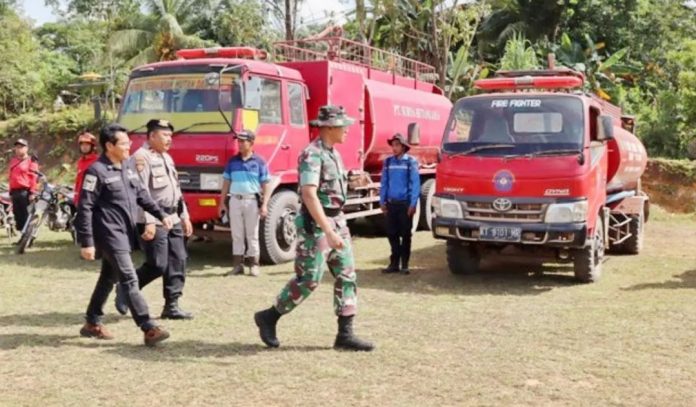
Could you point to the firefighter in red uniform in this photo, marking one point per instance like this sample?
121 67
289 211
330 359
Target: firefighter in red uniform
88 154
23 181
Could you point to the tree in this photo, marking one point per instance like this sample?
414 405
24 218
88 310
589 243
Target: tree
20 82
241 22
157 36
535 19
80 40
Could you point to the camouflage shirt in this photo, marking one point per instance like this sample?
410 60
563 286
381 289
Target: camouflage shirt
323 167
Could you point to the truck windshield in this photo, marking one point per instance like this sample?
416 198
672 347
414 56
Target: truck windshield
507 125
189 100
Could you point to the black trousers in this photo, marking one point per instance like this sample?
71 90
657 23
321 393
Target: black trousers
20 206
165 256
118 266
399 232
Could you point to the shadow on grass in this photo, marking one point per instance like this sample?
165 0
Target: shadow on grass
51 319
430 275
14 341
51 254
685 280
173 350
169 351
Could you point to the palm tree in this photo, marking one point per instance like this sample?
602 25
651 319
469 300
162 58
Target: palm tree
158 35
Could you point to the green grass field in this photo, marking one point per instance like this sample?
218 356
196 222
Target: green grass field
513 335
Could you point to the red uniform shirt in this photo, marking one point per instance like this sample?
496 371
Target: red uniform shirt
22 174
82 164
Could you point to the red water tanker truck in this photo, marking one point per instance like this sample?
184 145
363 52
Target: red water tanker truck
536 167
211 94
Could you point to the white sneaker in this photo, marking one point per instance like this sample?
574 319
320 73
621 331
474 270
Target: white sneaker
254 271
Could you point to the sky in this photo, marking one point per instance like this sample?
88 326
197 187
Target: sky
313 11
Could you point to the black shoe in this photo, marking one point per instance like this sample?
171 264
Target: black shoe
121 300
405 270
346 340
393 268
266 320
172 311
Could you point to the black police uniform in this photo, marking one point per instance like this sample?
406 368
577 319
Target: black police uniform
106 220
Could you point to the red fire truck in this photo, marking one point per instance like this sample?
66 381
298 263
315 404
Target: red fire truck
536 167
210 94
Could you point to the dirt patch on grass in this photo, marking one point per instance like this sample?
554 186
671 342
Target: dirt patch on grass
671 184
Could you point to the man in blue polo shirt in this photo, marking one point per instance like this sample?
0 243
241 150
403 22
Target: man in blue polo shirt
246 181
399 194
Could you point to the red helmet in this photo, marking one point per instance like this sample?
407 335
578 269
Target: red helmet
87 137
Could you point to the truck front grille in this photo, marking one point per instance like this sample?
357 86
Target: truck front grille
520 212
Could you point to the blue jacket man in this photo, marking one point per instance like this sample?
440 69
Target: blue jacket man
399 195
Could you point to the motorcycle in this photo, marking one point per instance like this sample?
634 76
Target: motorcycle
7 219
53 206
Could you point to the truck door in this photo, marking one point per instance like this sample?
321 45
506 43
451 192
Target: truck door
271 127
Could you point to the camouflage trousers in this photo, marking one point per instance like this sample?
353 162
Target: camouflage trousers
312 252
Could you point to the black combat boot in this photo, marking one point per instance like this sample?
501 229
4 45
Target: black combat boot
172 311
346 340
266 320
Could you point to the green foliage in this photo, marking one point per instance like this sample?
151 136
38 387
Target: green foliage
241 23
21 85
519 54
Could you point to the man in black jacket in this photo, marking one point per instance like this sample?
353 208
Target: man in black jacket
106 225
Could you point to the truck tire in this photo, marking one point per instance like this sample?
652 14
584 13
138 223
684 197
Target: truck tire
278 233
462 259
426 205
634 244
587 262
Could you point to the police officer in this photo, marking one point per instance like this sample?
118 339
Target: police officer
106 227
398 197
323 235
165 250
23 181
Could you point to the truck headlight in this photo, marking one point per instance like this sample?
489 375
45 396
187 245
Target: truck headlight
211 182
447 208
571 212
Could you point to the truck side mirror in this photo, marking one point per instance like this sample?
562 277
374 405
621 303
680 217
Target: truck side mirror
606 128
237 93
413 134
252 94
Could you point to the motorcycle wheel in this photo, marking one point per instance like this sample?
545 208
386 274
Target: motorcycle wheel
29 234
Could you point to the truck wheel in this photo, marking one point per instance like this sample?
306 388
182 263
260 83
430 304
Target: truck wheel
426 205
462 259
587 261
278 233
633 244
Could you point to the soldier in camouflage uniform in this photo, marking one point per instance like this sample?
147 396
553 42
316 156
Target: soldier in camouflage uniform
323 236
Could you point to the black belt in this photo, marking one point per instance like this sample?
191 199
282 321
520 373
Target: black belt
397 202
330 212
169 211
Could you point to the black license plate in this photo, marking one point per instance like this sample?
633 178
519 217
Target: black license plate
500 233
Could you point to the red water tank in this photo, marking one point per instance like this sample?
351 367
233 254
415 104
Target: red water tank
391 109
627 161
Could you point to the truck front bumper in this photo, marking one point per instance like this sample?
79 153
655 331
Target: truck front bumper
563 235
